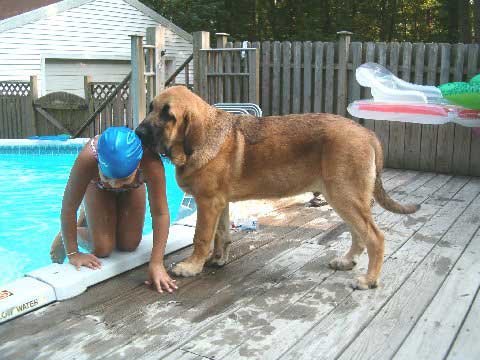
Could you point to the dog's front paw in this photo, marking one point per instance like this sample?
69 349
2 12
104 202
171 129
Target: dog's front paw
187 269
217 260
363 283
342 263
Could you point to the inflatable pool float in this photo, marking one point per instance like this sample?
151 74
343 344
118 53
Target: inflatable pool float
463 94
419 113
397 100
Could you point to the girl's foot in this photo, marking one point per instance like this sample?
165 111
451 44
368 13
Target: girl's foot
57 250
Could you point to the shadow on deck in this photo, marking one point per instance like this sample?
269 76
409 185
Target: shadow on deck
277 297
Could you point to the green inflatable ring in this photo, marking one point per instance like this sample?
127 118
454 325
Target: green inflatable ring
475 80
463 94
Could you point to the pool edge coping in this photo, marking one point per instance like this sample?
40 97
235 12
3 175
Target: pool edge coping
58 282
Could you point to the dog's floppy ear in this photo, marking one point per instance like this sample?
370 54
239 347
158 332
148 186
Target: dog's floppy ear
194 133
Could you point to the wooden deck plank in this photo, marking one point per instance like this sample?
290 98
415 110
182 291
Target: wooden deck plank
258 312
336 331
467 342
171 335
274 304
184 355
392 324
291 325
389 173
443 317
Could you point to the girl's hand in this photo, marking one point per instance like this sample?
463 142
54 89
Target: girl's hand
159 279
88 260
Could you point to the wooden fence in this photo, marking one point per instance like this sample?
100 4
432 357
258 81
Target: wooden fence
16 112
118 112
229 75
300 77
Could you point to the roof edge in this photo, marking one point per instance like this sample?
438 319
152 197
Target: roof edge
53 9
37 14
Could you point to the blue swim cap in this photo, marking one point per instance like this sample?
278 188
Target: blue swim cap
119 152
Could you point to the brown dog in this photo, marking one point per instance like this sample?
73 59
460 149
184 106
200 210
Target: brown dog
220 157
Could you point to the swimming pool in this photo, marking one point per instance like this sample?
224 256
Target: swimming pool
32 183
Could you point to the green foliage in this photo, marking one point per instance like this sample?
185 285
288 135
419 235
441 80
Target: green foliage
373 20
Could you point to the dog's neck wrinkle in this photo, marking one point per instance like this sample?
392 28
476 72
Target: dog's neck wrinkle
214 139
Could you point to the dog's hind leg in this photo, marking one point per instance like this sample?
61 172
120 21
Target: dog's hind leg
208 214
222 241
349 260
356 212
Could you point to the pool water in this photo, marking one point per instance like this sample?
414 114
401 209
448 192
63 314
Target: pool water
31 194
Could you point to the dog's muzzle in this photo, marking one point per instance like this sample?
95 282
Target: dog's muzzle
144 132
150 137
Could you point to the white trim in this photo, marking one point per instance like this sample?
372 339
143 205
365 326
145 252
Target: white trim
84 56
43 74
54 9
40 13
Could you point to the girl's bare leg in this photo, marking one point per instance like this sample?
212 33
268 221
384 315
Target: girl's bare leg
131 207
101 216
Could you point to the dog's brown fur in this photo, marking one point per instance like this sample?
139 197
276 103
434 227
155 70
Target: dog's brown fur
221 157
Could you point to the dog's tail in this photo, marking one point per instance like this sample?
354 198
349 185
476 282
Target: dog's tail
379 192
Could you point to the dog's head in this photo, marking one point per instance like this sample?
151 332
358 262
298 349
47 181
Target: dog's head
173 125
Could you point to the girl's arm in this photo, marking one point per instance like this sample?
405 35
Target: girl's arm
154 173
83 171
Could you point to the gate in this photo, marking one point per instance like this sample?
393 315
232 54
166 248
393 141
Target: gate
60 113
226 74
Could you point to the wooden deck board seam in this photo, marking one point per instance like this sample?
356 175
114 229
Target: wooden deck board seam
389 297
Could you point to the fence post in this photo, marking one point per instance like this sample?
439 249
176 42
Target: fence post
137 81
254 77
87 88
156 37
221 39
32 128
219 67
343 52
201 40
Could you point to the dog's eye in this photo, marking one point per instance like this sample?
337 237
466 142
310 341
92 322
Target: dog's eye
165 114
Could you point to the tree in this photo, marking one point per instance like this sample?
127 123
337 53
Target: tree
476 20
369 20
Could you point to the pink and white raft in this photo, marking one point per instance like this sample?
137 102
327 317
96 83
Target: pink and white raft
421 113
397 100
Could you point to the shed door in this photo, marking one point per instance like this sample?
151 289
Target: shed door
68 75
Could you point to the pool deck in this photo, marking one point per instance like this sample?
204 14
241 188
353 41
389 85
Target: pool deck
277 297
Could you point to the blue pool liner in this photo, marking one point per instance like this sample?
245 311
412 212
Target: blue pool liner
61 137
